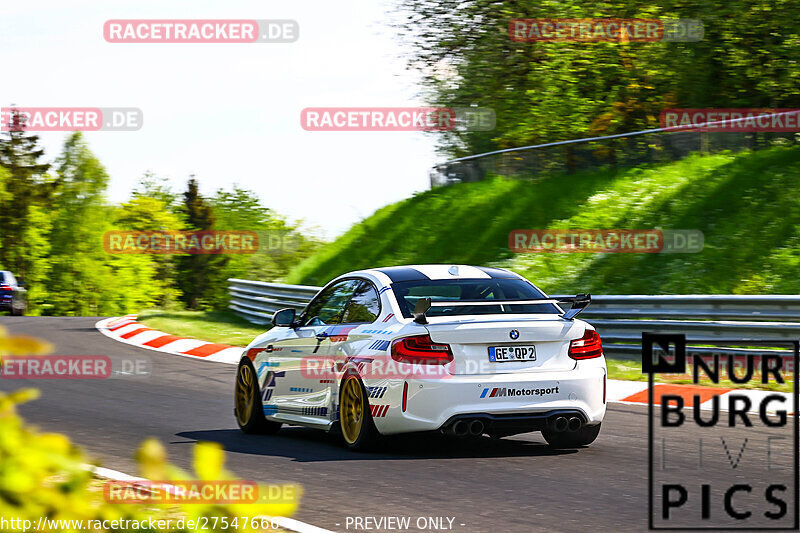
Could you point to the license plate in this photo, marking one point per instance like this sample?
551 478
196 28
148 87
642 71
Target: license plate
504 354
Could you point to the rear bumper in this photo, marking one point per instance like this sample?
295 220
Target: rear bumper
510 401
510 424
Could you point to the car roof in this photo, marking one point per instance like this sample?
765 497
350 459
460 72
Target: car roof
443 271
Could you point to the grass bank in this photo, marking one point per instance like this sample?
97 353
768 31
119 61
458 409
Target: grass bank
746 204
214 326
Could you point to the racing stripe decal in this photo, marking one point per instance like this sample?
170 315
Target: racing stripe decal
379 345
403 273
378 411
376 392
497 273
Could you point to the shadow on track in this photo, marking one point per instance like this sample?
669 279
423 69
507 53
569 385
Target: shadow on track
308 445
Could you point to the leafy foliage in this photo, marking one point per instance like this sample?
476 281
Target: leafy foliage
24 186
553 91
54 238
198 274
745 204
44 475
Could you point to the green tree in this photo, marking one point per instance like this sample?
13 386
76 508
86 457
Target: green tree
199 275
149 209
27 184
552 91
281 244
152 186
85 280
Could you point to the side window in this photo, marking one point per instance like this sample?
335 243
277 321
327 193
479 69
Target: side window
364 307
327 308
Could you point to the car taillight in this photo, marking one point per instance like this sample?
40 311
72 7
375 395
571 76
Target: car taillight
587 347
420 349
5 287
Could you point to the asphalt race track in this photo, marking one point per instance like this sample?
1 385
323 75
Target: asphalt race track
514 484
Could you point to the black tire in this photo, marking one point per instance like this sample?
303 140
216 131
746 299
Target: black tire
16 311
571 439
247 409
359 435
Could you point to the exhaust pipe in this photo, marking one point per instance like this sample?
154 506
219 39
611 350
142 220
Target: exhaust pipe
476 428
574 423
460 428
560 423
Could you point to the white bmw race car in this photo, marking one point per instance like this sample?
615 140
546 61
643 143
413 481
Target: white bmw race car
460 349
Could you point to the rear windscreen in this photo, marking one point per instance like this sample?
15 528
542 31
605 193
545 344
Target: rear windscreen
408 292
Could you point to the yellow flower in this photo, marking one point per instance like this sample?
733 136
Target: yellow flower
20 345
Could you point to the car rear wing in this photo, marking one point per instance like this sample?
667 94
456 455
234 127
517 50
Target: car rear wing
579 303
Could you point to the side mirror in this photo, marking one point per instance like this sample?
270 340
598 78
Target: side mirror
21 283
284 318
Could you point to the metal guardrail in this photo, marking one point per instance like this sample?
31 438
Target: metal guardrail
620 319
622 149
256 301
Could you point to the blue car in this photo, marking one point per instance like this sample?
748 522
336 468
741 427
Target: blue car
12 294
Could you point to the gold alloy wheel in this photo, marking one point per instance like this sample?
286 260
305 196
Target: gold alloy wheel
351 410
244 394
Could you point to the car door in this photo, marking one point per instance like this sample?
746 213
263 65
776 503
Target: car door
297 388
